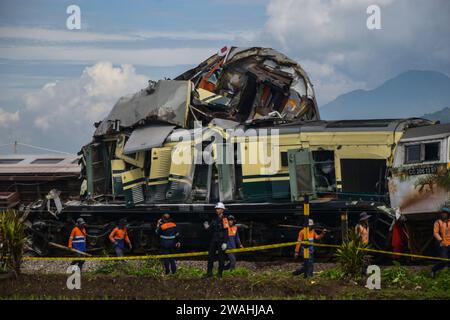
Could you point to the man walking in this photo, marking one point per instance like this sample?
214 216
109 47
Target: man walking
119 236
308 263
77 240
233 242
219 237
441 232
167 230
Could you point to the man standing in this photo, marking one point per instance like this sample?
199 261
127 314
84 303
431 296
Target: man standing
308 264
119 236
167 230
362 228
441 233
233 242
219 238
77 240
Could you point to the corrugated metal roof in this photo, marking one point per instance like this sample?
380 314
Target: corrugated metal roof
39 164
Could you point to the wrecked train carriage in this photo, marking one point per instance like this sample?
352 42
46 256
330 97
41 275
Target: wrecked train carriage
242 84
343 165
419 184
239 85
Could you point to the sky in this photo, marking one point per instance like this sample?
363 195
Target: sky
55 82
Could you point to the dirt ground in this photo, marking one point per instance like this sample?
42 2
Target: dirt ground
133 287
263 280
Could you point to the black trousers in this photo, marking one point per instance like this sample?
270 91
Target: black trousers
444 252
169 263
215 252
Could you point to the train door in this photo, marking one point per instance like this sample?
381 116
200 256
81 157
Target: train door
362 177
301 173
225 163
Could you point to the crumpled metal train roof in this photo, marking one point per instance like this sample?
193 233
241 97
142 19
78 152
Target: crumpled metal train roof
242 85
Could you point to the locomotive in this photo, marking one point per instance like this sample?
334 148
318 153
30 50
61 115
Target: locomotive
243 128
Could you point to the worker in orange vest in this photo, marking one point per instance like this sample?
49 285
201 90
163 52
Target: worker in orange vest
441 232
233 242
167 230
308 264
362 228
77 240
119 236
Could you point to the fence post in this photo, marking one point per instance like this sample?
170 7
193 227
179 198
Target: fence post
344 225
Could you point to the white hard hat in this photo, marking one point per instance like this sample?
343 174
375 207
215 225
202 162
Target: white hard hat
220 205
310 222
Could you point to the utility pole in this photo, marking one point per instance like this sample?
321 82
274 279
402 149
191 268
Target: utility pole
344 225
306 234
15 147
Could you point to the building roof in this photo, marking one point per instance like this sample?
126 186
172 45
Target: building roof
53 164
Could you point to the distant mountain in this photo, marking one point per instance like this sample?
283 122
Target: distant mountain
410 94
442 115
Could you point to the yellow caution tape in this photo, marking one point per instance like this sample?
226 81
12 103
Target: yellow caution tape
238 250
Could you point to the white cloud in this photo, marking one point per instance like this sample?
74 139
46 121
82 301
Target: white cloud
43 34
149 57
8 119
75 104
63 35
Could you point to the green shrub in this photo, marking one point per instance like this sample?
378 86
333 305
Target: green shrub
350 257
12 240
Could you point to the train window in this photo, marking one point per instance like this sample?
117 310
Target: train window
432 151
424 152
324 175
412 153
284 159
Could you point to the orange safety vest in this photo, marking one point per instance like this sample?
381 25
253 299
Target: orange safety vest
77 236
225 223
442 231
232 231
363 233
167 225
312 236
119 234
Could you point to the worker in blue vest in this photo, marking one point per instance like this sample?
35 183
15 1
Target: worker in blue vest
167 230
77 240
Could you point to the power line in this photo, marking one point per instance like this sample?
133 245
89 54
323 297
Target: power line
35 147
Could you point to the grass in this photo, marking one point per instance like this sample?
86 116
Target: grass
398 281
